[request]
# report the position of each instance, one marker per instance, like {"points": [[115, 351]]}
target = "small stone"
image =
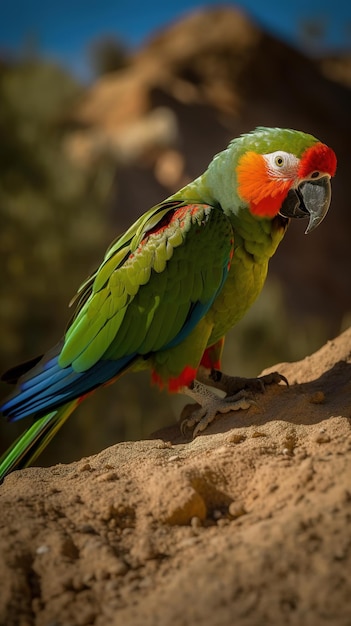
{"points": [[317, 398], [87, 529], [69, 549], [195, 522], [290, 443], [180, 508], [321, 438], [161, 445], [258, 433], [236, 438], [42, 549], [236, 510], [85, 468], [119, 568], [107, 477], [222, 450]]}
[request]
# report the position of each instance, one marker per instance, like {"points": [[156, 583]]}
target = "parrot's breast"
{"points": [[246, 276], [242, 287]]}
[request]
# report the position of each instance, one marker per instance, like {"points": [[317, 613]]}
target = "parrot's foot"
{"points": [[233, 384], [210, 405]]}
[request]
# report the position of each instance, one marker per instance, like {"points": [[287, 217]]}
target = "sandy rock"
{"points": [[249, 523]]}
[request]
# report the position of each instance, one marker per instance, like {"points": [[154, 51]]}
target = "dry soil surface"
{"points": [[248, 524]]}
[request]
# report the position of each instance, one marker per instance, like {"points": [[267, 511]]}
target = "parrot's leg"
{"points": [[233, 384], [210, 405]]}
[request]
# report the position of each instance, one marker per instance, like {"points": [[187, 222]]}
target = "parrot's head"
{"points": [[284, 172]]}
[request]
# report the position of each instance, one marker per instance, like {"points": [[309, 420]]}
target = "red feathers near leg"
{"points": [[174, 384]]}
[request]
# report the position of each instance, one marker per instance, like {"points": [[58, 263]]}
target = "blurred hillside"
{"points": [[79, 165]]}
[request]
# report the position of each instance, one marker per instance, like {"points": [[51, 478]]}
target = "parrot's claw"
{"points": [[210, 405], [273, 378], [234, 384]]}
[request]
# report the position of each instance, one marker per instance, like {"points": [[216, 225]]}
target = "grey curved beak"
{"points": [[311, 199]]}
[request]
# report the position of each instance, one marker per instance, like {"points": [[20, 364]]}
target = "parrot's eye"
{"points": [[315, 175], [282, 164], [279, 161]]}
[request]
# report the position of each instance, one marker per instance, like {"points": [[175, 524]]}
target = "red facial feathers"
{"points": [[318, 158]]}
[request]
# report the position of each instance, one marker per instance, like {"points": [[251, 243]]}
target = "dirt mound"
{"points": [[247, 524]]}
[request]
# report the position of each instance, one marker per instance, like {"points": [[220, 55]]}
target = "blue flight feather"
{"points": [[51, 388]]}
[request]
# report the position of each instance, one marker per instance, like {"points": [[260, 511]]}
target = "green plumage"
{"points": [[174, 284], [142, 305]]}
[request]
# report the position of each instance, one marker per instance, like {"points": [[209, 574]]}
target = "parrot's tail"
{"points": [[28, 446]]}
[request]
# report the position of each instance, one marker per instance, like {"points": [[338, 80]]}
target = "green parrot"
{"points": [[170, 288]]}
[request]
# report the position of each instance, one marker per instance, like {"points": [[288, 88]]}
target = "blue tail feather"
{"points": [[51, 386], [43, 375]]}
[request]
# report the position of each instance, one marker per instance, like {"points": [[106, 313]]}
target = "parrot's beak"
{"points": [[311, 198]]}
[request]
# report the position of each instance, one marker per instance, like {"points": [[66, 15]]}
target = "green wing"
{"points": [[154, 284]]}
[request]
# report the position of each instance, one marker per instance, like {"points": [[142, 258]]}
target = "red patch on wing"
{"points": [[318, 158], [263, 193], [230, 254], [175, 383], [171, 216]]}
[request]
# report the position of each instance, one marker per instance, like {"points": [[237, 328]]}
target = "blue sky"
{"points": [[64, 29]]}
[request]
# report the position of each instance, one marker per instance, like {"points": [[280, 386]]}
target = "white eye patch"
{"points": [[282, 164]]}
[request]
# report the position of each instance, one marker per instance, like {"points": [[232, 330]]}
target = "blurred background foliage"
{"points": [[53, 213], [57, 218]]}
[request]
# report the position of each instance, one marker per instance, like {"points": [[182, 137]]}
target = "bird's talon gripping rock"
{"points": [[273, 378], [233, 385], [223, 407], [211, 406]]}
